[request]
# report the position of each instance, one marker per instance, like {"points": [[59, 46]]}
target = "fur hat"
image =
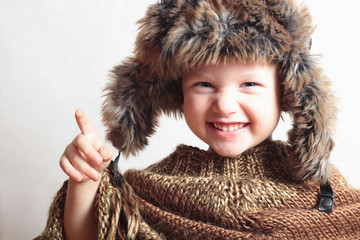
{"points": [[177, 35]]}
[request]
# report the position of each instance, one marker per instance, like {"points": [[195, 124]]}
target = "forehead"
{"points": [[229, 69]]}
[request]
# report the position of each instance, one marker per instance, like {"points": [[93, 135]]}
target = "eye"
{"points": [[204, 84], [248, 84]]}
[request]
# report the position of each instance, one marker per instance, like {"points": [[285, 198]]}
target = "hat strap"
{"points": [[118, 177], [326, 198]]}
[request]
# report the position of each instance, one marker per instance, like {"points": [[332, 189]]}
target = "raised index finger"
{"points": [[84, 123]]}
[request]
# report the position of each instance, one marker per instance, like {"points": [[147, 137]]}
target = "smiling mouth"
{"points": [[229, 127]]}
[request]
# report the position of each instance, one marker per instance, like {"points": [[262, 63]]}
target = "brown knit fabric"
{"points": [[196, 194]]}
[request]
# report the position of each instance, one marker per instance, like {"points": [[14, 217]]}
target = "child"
{"points": [[230, 67]]}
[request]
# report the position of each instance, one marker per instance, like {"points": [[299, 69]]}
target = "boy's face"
{"points": [[232, 107]]}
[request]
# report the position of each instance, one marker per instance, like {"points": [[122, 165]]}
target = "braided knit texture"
{"points": [[196, 194]]}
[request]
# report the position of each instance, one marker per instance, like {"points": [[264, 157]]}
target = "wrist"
{"points": [[86, 185]]}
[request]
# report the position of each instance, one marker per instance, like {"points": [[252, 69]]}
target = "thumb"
{"points": [[106, 153]]}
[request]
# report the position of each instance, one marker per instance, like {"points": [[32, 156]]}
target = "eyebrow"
{"points": [[244, 76]]}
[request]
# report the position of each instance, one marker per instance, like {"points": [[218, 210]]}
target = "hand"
{"points": [[86, 156]]}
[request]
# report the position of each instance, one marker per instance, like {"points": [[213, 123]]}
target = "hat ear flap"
{"points": [[312, 107], [127, 110]]}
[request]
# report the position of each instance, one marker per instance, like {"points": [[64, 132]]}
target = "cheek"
{"points": [[267, 107], [191, 110], [195, 110], [188, 106], [273, 111], [194, 103]]}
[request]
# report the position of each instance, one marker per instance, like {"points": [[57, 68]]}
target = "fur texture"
{"points": [[176, 35]]}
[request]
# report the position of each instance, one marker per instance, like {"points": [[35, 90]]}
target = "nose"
{"points": [[226, 103]]}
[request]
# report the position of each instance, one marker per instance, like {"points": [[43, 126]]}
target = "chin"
{"points": [[230, 153]]}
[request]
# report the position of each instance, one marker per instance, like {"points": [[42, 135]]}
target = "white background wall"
{"points": [[55, 57]]}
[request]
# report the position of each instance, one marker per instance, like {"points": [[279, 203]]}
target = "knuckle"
{"points": [[64, 167], [61, 164], [78, 139], [67, 149], [69, 153], [63, 161]]}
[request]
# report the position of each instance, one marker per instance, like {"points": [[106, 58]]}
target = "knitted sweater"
{"points": [[196, 194]]}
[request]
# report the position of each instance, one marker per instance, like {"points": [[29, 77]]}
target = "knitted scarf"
{"points": [[197, 194]]}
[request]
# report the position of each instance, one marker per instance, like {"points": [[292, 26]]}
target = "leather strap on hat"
{"points": [[326, 198], [118, 178]]}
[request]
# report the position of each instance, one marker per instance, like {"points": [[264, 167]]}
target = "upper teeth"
{"points": [[228, 127]]}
